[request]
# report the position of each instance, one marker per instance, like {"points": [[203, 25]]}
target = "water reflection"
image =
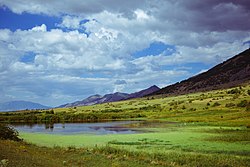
{"points": [[49, 126], [117, 127]]}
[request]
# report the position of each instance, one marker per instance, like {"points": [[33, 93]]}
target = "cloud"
{"points": [[192, 15], [56, 49], [120, 82], [91, 50], [42, 28], [59, 58], [70, 22], [207, 15], [75, 7]]}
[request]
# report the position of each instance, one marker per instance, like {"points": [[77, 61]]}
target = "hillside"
{"points": [[113, 97], [232, 72], [218, 107], [20, 105]]}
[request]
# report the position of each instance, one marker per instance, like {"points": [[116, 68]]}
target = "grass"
{"points": [[203, 139], [174, 158], [231, 135], [221, 107], [178, 146], [172, 107], [212, 130], [20, 154]]}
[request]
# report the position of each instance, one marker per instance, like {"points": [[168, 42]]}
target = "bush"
{"points": [[216, 104], [50, 111], [234, 91], [248, 107], [8, 133], [243, 103], [192, 109]]}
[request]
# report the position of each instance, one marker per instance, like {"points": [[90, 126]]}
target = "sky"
{"points": [[55, 52]]}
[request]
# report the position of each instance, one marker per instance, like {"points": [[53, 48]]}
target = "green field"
{"points": [[207, 129]]}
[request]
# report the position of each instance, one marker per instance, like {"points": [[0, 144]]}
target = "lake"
{"points": [[98, 128]]}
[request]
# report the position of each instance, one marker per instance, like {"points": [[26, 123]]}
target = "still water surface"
{"points": [[99, 128]]}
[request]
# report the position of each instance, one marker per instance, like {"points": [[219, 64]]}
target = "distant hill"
{"points": [[232, 72], [20, 105], [98, 99], [144, 92]]}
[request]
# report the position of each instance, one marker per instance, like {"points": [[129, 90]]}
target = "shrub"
{"points": [[248, 92], [234, 91], [192, 109], [216, 104], [248, 107], [175, 103], [8, 133], [243, 103], [50, 111]]}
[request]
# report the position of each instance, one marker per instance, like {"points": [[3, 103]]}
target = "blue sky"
{"points": [[25, 21], [60, 51]]}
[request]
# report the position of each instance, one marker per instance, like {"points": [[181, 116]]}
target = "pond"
{"points": [[99, 128]]}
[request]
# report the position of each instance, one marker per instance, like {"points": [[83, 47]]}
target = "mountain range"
{"points": [[232, 72], [98, 99], [21, 105]]}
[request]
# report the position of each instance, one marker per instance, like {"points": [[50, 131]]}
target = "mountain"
{"points": [[114, 97], [144, 92], [98, 99], [91, 100], [20, 105], [232, 72]]}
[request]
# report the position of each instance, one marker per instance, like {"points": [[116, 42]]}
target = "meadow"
{"points": [[200, 129]]}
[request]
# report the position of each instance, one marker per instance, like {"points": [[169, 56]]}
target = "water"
{"points": [[99, 128]]}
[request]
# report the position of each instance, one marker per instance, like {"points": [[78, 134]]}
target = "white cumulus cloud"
{"points": [[93, 45]]}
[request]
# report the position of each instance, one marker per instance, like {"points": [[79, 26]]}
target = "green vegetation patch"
{"points": [[189, 138], [231, 135]]}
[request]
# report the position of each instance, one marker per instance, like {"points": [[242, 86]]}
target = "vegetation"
{"points": [[182, 145], [207, 107], [199, 129], [28, 155], [20, 154], [8, 133]]}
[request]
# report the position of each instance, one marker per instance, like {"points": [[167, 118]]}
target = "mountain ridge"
{"points": [[112, 97], [232, 72], [21, 105]]}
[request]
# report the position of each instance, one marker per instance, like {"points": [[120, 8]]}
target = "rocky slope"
{"points": [[232, 72]]}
